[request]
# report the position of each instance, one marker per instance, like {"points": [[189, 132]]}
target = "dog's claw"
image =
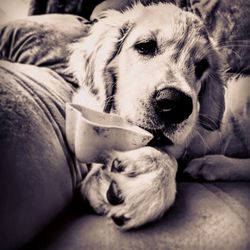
{"points": [[119, 221], [117, 167], [114, 194]]}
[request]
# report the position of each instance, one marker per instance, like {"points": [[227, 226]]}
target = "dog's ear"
{"points": [[204, 8], [211, 98], [92, 56]]}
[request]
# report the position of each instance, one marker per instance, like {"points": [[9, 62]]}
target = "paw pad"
{"points": [[114, 195], [119, 221]]}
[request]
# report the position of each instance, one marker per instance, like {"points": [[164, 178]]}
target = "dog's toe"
{"points": [[117, 166], [120, 221], [114, 195], [205, 168]]}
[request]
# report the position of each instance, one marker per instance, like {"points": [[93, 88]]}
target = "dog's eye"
{"points": [[147, 48], [201, 67]]}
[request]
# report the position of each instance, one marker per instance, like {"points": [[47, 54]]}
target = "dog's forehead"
{"points": [[166, 20], [157, 14]]}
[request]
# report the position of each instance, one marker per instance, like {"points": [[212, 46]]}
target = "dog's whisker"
{"points": [[108, 100], [233, 42], [206, 145], [237, 53]]}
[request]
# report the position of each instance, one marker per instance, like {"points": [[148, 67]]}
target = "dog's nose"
{"points": [[173, 106]]}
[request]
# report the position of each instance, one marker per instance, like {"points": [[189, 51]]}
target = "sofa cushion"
{"points": [[204, 216]]}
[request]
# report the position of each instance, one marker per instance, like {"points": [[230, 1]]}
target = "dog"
{"points": [[156, 66]]}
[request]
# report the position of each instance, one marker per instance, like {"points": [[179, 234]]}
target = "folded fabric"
{"points": [[37, 170], [42, 41]]}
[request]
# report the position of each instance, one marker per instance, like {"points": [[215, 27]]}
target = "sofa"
{"points": [[40, 205]]}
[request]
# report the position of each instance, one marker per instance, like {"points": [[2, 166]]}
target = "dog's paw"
{"points": [[142, 187], [209, 168], [94, 188], [140, 161]]}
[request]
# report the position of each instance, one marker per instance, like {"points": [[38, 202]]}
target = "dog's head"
{"points": [[155, 66]]}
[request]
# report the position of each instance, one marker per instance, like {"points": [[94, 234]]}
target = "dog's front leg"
{"points": [[219, 168], [136, 187]]}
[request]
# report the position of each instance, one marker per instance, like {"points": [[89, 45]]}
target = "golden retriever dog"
{"points": [[156, 66]]}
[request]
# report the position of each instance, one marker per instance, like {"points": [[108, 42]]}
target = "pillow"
{"points": [[23, 41], [77, 7]]}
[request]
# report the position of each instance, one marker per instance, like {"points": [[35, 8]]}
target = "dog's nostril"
{"points": [[173, 105]]}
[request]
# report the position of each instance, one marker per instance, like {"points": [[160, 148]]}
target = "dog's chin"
{"points": [[159, 139]]}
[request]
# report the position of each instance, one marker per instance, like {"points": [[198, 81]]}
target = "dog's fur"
{"points": [[138, 186]]}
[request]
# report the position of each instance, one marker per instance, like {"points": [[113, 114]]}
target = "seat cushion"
{"points": [[204, 216]]}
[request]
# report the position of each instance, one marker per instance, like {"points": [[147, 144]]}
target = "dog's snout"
{"points": [[173, 106]]}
